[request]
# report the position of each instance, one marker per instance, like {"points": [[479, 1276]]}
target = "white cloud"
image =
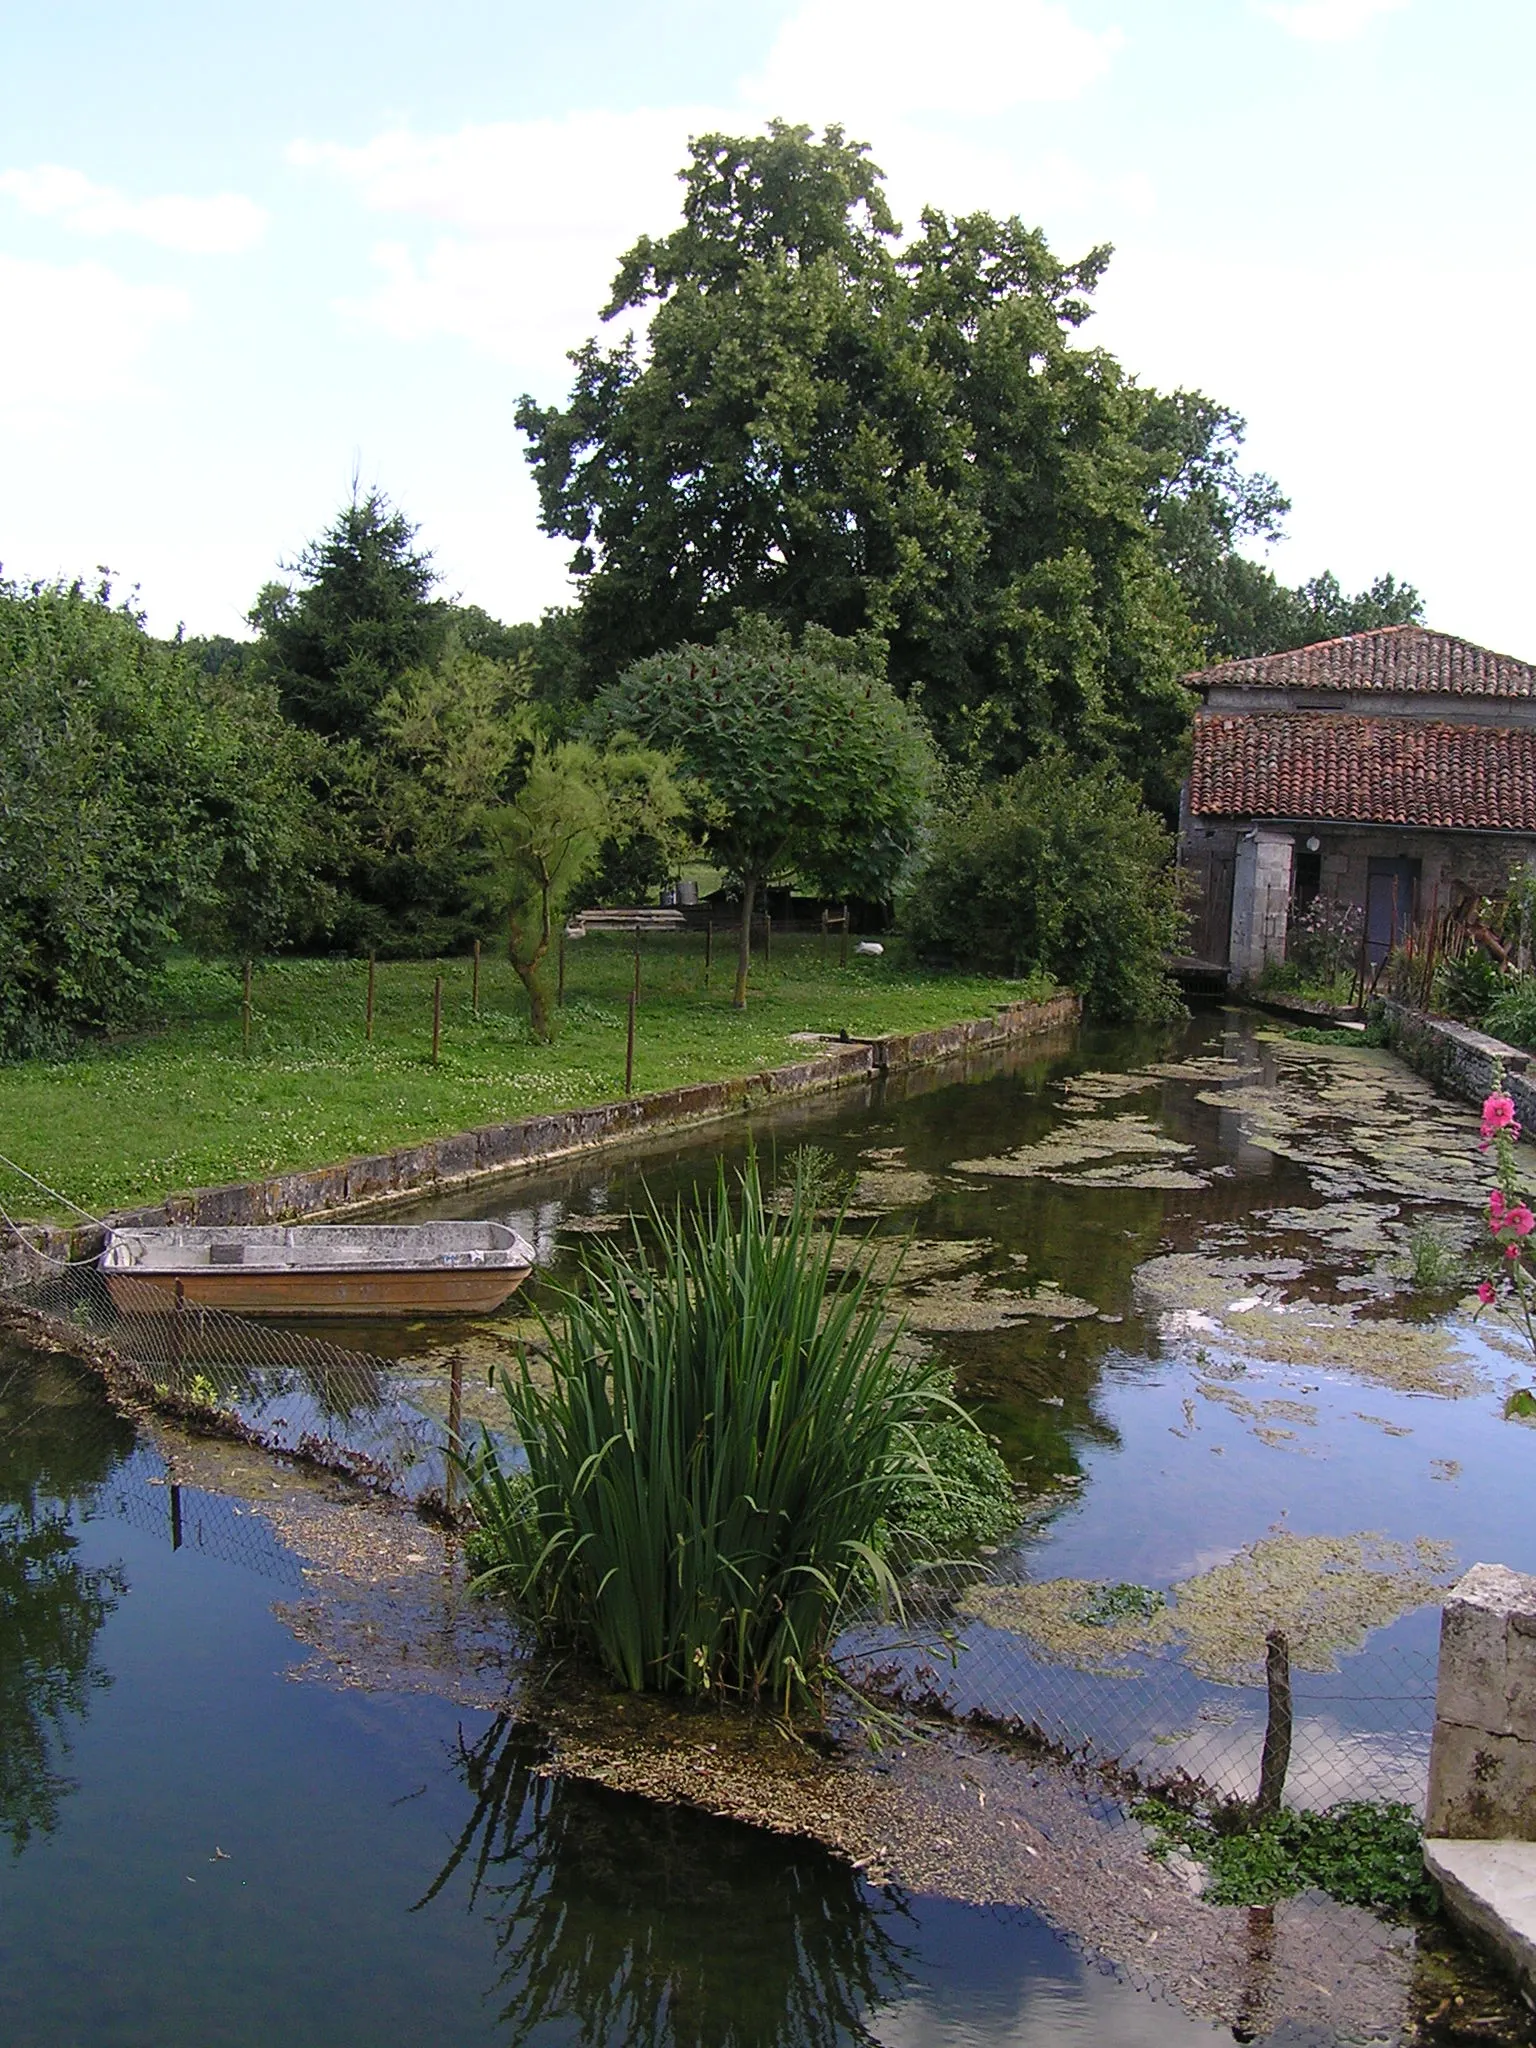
{"points": [[535, 216], [1329, 21], [73, 339], [851, 60], [222, 224], [532, 217]]}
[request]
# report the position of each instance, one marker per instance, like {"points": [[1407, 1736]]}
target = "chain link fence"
{"points": [[142, 1492], [384, 1423], [1148, 1720]]}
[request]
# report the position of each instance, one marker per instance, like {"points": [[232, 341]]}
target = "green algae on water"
{"points": [[968, 1303], [1327, 1593]]}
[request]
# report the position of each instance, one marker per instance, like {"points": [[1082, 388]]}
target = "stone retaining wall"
{"points": [[1456, 1058], [530, 1143]]}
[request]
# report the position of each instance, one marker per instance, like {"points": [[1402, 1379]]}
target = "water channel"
{"points": [[1172, 1275]]}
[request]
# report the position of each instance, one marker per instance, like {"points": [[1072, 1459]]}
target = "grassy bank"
{"points": [[185, 1105]]}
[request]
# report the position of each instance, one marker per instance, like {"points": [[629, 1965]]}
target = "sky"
{"points": [[248, 255]]}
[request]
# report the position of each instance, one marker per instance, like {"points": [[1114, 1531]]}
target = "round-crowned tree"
{"points": [[1059, 869], [803, 758]]}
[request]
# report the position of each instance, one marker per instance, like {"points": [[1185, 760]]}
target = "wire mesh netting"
{"points": [[386, 1423], [1357, 1731], [143, 1493], [1360, 1730]]}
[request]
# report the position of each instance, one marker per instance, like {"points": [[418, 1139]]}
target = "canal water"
{"points": [[197, 1852], [1174, 1276]]}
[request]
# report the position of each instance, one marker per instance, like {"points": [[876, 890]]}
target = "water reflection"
{"points": [[619, 1921], [58, 1442]]}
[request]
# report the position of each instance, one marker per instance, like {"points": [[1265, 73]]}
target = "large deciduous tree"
{"points": [[805, 760], [828, 425], [830, 428]]}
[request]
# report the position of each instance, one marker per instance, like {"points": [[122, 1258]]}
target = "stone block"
{"points": [[1481, 1786], [1482, 1765], [1490, 1892], [369, 1178], [457, 1156]]}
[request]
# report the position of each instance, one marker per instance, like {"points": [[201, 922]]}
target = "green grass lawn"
{"points": [[184, 1106]]}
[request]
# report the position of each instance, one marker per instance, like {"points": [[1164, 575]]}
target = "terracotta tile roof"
{"points": [[1408, 658], [1381, 771]]}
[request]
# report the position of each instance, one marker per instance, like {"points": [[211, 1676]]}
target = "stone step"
{"points": [[1490, 1892]]}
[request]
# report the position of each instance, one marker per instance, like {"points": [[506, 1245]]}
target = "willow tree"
{"points": [[804, 760]]}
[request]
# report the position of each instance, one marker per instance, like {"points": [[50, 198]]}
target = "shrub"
{"points": [[1469, 987], [1060, 870], [1323, 941], [140, 802], [725, 1460], [1512, 1014], [1362, 1852]]}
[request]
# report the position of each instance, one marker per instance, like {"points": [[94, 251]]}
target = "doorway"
{"points": [[1392, 888]]}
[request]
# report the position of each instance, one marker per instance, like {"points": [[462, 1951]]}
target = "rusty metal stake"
{"points": [[629, 1049]]}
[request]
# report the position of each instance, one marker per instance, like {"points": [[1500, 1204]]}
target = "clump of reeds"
{"points": [[724, 1462]]}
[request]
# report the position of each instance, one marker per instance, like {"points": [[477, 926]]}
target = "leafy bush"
{"points": [[1362, 1852], [726, 1458], [1323, 941], [1469, 987], [1059, 870], [965, 1497], [140, 801], [1512, 1015]]}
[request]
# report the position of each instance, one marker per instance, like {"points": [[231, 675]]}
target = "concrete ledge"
{"points": [[1490, 1892], [467, 1156], [1456, 1058]]}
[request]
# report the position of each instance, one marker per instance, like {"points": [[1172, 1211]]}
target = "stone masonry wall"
{"points": [[1456, 1058]]}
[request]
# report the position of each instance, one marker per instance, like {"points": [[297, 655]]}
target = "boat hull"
{"points": [[453, 1291]]}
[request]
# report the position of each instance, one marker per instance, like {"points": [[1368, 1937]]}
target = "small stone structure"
{"points": [[1480, 1828], [1482, 1762]]}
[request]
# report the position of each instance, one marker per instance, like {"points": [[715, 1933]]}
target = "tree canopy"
{"points": [[359, 618], [138, 804], [804, 758], [833, 426]]}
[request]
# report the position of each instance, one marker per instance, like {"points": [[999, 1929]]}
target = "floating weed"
{"points": [[887, 1188], [1326, 1592], [1078, 1144], [1214, 1298], [970, 1303]]}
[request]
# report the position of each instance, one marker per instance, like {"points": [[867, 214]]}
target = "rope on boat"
{"points": [[17, 1230]]}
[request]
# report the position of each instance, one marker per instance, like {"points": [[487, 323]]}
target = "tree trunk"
{"points": [[527, 972], [744, 945]]}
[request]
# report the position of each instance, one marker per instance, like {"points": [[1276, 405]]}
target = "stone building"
{"points": [[1394, 771]]}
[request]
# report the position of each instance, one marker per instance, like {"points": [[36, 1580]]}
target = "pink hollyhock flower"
{"points": [[1485, 1290], [1499, 1115], [1511, 1251], [1495, 1208], [1518, 1220]]}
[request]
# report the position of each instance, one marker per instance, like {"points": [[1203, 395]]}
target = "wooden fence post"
{"points": [[629, 1049], [560, 981], [842, 956], [372, 970], [709, 946], [474, 999], [1276, 1760], [437, 1016], [245, 1010]]}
